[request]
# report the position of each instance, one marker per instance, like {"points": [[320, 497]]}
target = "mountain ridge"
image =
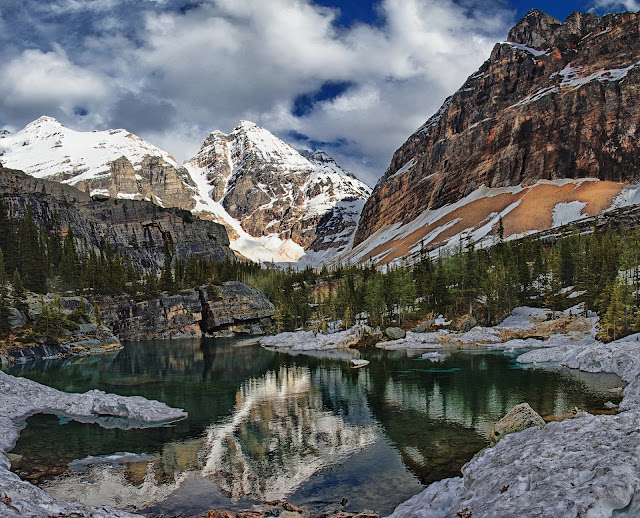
{"points": [[218, 183], [544, 131]]}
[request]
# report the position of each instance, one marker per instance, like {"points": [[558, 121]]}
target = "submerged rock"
{"points": [[520, 417]]}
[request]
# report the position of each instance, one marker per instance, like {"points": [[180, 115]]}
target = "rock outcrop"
{"points": [[136, 228], [231, 308], [551, 107], [519, 418], [235, 307]]}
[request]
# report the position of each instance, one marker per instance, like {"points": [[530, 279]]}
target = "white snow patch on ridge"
{"points": [[571, 78], [564, 213], [530, 50], [45, 148]]}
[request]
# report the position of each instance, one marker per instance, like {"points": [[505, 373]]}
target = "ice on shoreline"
{"points": [[311, 341], [589, 466], [21, 398]]}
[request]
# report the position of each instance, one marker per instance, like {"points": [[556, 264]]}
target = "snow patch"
{"points": [[567, 212]]}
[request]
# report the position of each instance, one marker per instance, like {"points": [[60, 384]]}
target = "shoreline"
{"points": [[22, 398], [586, 466], [449, 496]]}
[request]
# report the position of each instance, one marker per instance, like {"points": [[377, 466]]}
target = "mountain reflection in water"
{"points": [[263, 425]]}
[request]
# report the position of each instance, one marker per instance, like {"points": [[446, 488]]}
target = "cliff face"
{"points": [[557, 103], [231, 308], [135, 228]]}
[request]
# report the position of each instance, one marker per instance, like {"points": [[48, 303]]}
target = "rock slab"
{"points": [[519, 418]]}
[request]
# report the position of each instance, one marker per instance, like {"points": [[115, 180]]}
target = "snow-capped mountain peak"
{"points": [[268, 191], [277, 204], [112, 163]]}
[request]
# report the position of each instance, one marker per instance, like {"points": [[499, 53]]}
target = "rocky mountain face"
{"points": [[231, 308], [135, 228], [276, 194], [276, 203], [112, 163], [544, 133]]}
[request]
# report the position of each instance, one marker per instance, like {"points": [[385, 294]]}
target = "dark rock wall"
{"points": [[520, 118], [232, 307], [135, 228]]}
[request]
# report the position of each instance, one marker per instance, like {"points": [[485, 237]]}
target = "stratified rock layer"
{"points": [[232, 307], [558, 101], [135, 228]]}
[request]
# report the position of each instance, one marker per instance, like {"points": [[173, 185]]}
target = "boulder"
{"points": [[16, 318], [465, 323], [395, 333], [520, 417], [424, 327]]}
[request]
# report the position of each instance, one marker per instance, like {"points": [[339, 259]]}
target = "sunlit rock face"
{"points": [[555, 104], [264, 189], [279, 435]]}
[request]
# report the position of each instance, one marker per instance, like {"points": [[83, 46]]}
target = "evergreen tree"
{"points": [[18, 293], [69, 262], [5, 312], [32, 259]]}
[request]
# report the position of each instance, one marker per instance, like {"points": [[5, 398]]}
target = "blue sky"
{"points": [[355, 78]]}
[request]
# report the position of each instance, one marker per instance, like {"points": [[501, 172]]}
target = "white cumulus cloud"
{"points": [[174, 75]]}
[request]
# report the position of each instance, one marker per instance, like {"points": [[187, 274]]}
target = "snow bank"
{"points": [[589, 466], [523, 318], [417, 341], [22, 397], [311, 341]]}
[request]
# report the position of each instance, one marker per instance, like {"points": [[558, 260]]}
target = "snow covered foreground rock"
{"points": [[585, 467], [310, 341], [21, 398]]}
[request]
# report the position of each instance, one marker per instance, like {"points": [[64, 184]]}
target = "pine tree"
{"points": [[31, 253], [18, 293], [70, 262], [7, 237], [5, 311]]}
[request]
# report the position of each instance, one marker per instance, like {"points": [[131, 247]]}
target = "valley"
{"points": [[254, 331]]}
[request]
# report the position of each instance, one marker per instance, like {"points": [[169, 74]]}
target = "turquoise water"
{"points": [[265, 425]]}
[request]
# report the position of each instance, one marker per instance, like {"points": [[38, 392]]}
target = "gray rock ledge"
{"points": [[21, 398]]}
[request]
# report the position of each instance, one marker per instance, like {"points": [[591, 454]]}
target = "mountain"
{"points": [[138, 229], [289, 203], [112, 163], [277, 204], [544, 133]]}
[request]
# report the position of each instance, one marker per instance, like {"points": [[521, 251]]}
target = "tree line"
{"points": [[599, 268]]}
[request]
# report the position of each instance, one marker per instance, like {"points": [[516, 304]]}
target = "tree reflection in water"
{"points": [[265, 425]]}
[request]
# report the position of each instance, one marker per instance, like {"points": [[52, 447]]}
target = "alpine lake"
{"points": [[266, 425]]}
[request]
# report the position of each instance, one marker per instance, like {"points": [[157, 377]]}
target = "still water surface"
{"points": [[265, 425]]}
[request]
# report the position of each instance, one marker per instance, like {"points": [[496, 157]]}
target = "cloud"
{"points": [[36, 81], [629, 5], [174, 72]]}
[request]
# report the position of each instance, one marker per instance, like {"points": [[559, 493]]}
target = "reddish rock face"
{"points": [[559, 100]]}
